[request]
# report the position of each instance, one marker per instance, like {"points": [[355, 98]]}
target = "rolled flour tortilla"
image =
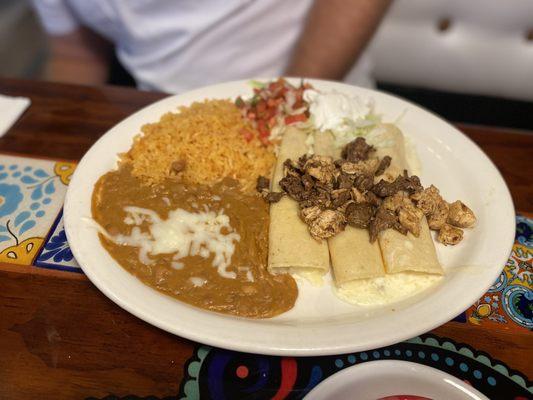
{"points": [[403, 252], [352, 255], [291, 247]]}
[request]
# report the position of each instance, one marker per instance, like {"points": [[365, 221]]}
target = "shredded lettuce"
{"points": [[257, 84], [361, 127]]}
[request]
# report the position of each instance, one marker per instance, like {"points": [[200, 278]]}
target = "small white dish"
{"points": [[319, 323], [378, 379]]}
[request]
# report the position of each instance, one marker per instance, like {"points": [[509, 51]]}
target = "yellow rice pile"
{"points": [[207, 136]]}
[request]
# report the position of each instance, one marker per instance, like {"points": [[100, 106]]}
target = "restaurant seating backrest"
{"points": [[466, 46]]}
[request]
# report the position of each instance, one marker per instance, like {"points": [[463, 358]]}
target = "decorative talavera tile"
{"points": [[31, 195], [55, 253], [509, 301]]}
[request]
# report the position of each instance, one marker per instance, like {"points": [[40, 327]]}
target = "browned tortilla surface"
{"points": [[267, 296]]}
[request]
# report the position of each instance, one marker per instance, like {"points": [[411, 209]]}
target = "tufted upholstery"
{"points": [[465, 46]]}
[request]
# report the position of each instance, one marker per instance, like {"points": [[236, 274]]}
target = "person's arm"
{"points": [[335, 34], [80, 57]]}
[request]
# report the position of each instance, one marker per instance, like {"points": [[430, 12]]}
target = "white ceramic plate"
{"points": [[319, 323], [377, 379]]}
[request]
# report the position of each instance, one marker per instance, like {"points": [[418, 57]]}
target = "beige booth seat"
{"points": [[466, 46]]}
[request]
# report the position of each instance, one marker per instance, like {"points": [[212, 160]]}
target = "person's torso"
{"points": [[176, 45]]}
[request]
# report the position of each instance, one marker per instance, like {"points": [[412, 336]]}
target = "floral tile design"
{"points": [[508, 304], [31, 195], [55, 253]]}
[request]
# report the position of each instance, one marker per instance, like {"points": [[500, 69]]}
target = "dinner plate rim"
{"points": [[278, 348]]}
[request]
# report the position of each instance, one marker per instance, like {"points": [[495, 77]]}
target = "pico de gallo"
{"points": [[273, 105]]}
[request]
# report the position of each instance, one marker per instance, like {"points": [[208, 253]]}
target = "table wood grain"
{"points": [[60, 338]]}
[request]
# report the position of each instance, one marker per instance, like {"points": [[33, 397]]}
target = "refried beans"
{"points": [[253, 293]]}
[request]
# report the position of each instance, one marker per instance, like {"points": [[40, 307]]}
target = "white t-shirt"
{"points": [[177, 45]]}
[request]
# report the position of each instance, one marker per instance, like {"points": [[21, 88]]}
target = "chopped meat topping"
{"points": [[373, 199], [345, 181], [290, 169], [301, 161], [327, 224], [339, 197], [293, 187], [320, 168], [427, 200], [326, 186], [383, 165], [309, 214], [359, 215], [394, 202], [406, 214], [450, 235], [357, 150], [410, 184], [460, 215], [358, 196], [364, 182], [308, 182], [274, 197], [400, 228], [262, 184], [343, 207], [409, 217], [438, 218], [367, 167], [384, 219], [332, 194], [320, 198]]}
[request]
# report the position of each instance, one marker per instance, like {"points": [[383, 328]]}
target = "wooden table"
{"points": [[60, 338]]}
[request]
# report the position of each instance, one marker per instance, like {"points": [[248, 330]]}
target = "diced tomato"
{"points": [[276, 85], [271, 112], [248, 136], [272, 86], [282, 91], [264, 107], [262, 128], [298, 104], [291, 119], [272, 102], [261, 108]]}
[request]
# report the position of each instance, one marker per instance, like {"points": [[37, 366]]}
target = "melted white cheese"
{"points": [[314, 277], [248, 272], [197, 282], [385, 290], [183, 233]]}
